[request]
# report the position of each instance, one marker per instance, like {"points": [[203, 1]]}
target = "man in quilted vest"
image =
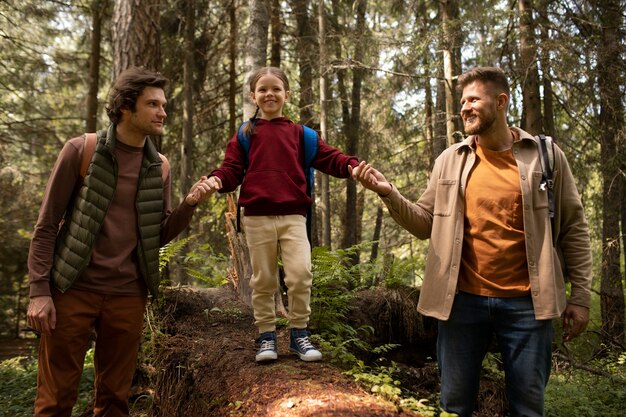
{"points": [[93, 259]]}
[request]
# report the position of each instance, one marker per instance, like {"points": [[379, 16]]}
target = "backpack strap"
{"points": [[165, 167], [244, 141], [546, 151], [90, 148], [309, 138]]}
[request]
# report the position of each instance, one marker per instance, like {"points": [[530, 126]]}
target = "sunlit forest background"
{"points": [[375, 77]]}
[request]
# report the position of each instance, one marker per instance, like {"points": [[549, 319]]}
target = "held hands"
{"points": [[370, 178], [202, 189], [41, 315], [575, 319]]}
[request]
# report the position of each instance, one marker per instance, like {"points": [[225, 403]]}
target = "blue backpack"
{"points": [[309, 136]]}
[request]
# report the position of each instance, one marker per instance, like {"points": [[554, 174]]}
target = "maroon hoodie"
{"points": [[274, 182]]}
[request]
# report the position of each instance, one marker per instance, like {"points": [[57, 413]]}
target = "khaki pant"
{"points": [[118, 323], [266, 236]]}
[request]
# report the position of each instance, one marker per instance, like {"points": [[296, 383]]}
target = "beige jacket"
{"points": [[438, 214]]}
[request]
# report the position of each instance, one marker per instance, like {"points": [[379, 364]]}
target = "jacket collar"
{"points": [[149, 150], [470, 141]]}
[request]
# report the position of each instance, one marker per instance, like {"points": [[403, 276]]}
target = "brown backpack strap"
{"points": [[90, 147], [165, 167], [88, 150]]}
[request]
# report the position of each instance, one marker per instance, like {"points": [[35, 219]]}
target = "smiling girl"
{"points": [[275, 203]]}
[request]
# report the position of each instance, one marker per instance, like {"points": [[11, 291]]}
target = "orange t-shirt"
{"points": [[494, 252]]}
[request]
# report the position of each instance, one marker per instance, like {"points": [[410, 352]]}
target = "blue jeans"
{"points": [[525, 345]]}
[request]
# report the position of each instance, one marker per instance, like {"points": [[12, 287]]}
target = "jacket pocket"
{"points": [[445, 199]]}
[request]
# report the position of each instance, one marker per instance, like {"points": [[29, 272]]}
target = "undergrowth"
{"points": [[595, 389], [18, 385]]}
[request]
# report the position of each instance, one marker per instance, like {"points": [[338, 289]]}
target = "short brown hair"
{"points": [[493, 75], [128, 86]]}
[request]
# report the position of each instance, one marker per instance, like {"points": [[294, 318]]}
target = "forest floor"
{"points": [[198, 360], [205, 367]]}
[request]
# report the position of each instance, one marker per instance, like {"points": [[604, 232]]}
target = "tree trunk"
{"points": [[529, 73], [186, 146], [377, 229], [343, 93], [135, 35], [306, 55], [353, 131], [546, 80], [324, 180], [97, 12], [449, 15], [256, 48], [240, 266], [232, 67], [186, 161], [440, 141], [275, 33], [610, 68]]}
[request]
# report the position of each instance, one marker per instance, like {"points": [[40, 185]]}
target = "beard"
{"points": [[480, 125]]}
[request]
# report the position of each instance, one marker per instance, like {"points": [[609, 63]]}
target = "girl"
{"points": [[274, 201]]}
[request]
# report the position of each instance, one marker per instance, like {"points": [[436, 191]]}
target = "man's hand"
{"points": [[41, 315], [202, 189], [370, 178], [575, 319]]}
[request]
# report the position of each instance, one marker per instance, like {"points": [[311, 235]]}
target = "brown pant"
{"points": [[118, 323]]}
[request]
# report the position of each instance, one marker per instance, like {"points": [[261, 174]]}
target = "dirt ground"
{"points": [[205, 367]]}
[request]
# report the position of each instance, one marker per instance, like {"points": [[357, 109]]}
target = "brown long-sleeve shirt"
{"points": [[113, 268]]}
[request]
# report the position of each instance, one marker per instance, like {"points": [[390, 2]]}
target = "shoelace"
{"points": [[267, 345], [304, 343]]}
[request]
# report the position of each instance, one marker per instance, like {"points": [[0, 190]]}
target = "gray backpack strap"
{"points": [[546, 152]]}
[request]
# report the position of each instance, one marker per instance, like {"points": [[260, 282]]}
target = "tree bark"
{"points": [[97, 12], [610, 68], [232, 67], [186, 145], [186, 160], [378, 225], [450, 16], [353, 131], [529, 73], [306, 55], [256, 48], [275, 33], [440, 141], [546, 67], [135, 33], [324, 180], [136, 38]]}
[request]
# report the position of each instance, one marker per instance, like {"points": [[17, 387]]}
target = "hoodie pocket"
{"points": [[271, 186]]}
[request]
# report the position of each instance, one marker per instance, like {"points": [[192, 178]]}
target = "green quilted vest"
{"points": [[83, 219]]}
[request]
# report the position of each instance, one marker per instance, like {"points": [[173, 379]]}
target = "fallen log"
{"points": [[205, 367]]}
